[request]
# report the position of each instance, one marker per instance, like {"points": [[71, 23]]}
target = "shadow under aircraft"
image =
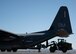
{"points": [[60, 27]]}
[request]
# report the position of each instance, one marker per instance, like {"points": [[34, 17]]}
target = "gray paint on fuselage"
{"points": [[41, 33], [35, 34]]}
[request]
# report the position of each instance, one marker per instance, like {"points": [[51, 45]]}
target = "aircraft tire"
{"points": [[8, 50], [64, 50], [52, 50], [14, 50], [2, 50]]}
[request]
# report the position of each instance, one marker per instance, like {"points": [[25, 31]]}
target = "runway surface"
{"points": [[44, 51]]}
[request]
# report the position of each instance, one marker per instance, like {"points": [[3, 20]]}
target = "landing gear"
{"points": [[14, 50], [2, 50], [39, 47], [8, 50], [39, 50]]}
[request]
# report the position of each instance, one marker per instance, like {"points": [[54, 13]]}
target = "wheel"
{"points": [[2, 50], [39, 50], [14, 50], [52, 49], [8, 50], [64, 50]]}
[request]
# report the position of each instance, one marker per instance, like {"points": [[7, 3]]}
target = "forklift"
{"points": [[61, 45]]}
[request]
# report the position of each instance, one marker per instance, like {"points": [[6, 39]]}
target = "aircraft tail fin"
{"points": [[61, 23]]}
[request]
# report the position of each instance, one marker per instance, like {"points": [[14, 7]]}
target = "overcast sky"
{"points": [[21, 16]]}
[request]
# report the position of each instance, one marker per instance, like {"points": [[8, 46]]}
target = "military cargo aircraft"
{"points": [[60, 27]]}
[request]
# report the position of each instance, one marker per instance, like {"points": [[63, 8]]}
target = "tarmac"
{"points": [[43, 51]]}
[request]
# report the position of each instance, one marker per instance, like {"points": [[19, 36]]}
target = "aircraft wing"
{"points": [[7, 36]]}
